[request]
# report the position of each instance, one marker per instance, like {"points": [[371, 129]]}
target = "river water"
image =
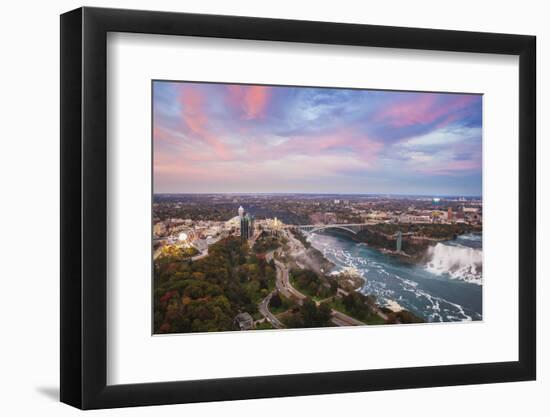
{"points": [[447, 287]]}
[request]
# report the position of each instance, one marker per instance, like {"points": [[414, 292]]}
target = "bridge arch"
{"points": [[329, 226]]}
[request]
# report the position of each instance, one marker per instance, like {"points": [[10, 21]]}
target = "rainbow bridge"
{"points": [[353, 228]]}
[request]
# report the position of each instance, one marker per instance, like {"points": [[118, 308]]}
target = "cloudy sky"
{"points": [[239, 138]]}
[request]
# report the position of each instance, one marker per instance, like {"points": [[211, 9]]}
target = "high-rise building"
{"points": [[449, 214], [245, 228], [247, 224]]}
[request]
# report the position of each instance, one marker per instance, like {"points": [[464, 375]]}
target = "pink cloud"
{"points": [[175, 167], [251, 100], [196, 119], [423, 109], [343, 142], [163, 136], [452, 167]]}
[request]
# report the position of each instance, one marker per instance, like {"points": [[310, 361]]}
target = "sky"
{"points": [[215, 138]]}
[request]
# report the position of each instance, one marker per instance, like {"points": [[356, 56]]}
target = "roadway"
{"points": [[338, 318], [287, 289], [263, 308], [283, 286]]}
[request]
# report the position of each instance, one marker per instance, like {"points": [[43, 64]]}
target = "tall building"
{"points": [[399, 241], [245, 228], [449, 214], [247, 224]]}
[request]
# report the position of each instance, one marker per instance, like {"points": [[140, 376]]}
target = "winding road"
{"points": [[283, 286], [263, 308]]}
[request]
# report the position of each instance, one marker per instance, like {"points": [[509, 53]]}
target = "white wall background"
{"points": [[29, 175]]}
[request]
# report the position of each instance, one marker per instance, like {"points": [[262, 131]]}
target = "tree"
{"points": [[312, 316], [276, 301], [207, 294]]}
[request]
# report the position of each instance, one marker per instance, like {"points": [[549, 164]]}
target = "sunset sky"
{"points": [[249, 139]]}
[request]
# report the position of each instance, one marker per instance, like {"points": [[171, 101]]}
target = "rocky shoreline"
{"points": [[349, 283]]}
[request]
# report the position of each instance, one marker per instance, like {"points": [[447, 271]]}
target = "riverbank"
{"points": [[416, 239], [341, 290], [429, 292], [306, 256]]}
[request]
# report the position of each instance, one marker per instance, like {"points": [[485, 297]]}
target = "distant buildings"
{"points": [[159, 229], [378, 216], [273, 226], [330, 218], [415, 218], [472, 215], [201, 233], [316, 218], [323, 218], [233, 223], [438, 216]]}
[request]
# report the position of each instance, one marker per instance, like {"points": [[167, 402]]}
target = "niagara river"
{"points": [[446, 287]]}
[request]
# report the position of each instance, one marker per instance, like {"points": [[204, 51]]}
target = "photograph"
{"points": [[267, 209], [283, 207]]}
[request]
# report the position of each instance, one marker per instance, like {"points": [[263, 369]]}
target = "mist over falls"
{"points": [[457, 261]]}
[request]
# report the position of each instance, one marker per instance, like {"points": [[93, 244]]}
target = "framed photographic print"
{"points": [[258, 207]]}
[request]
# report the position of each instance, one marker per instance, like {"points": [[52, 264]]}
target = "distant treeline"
{"points": [[430, 230], [383, 236]]}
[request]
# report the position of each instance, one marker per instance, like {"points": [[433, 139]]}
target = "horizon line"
{"points": [[323, 193]]}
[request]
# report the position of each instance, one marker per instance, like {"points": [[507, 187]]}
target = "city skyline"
{"points": [[245, 139], [319, 194]]}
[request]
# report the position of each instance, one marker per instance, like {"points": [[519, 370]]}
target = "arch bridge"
{"points": [[353, 228]]}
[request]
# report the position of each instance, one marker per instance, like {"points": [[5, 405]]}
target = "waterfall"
{"points": [[460, 262]]}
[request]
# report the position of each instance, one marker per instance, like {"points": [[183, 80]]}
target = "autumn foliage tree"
{"points": [[206, 295]]}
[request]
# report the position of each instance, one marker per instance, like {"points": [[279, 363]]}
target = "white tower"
{"points": [[241, 212]]}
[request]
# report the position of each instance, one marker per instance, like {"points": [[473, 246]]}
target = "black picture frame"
{"points": [[84, 207]]}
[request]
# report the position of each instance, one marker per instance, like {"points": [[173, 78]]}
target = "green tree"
{"points": [[276, 301]]}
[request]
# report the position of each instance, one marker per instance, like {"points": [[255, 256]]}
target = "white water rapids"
{"points": [[446, 287]]}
